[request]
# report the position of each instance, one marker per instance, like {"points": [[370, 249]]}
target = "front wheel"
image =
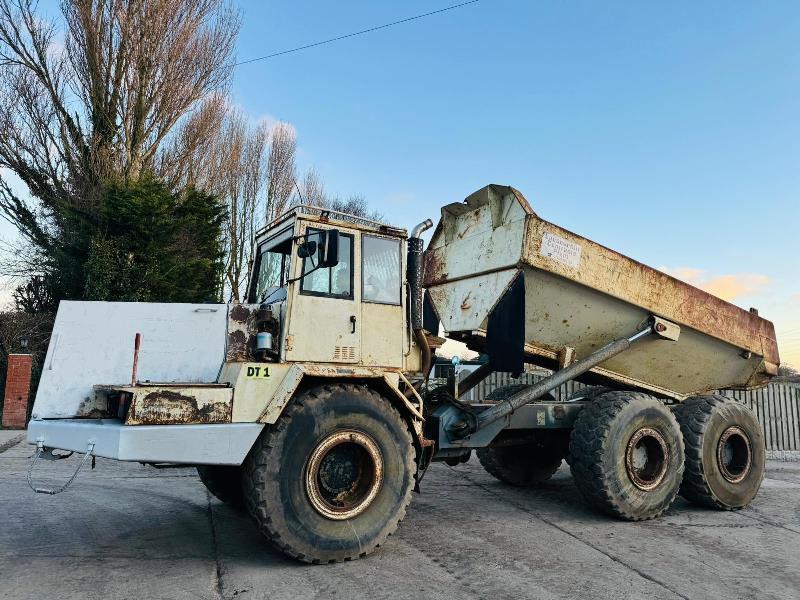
{"points": [[332, 478]]}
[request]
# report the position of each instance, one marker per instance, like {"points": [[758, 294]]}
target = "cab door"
{"points": [[382, 302], [325, 315]]}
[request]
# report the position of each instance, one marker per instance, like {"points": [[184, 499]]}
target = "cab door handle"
{"points": [[353, 323]]}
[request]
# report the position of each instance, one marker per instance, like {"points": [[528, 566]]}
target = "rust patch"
{"points": [[237, 346], [243, 321], [93, 407], [465, 303], [333, 371], [474, 217], [240, 313], [434, 268], [164, 407]]}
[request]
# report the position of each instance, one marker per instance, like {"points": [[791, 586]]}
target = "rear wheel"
{"points": [[224, 482], [332, 478], [626, 455], [725, 452], [523, 464]]}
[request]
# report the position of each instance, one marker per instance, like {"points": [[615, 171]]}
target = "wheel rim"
{"points": [[647, 458], [344, 474], [734, 454]]}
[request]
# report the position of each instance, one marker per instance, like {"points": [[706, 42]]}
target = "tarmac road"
{"points": [[129, 531]]}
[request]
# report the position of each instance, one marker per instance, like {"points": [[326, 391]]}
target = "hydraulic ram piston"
{"points": [[558, 378]]}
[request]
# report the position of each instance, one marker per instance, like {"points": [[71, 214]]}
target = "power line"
{"points": [[355, 33]]}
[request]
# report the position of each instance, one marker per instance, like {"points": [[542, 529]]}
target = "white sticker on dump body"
{"points": [[561, 250]]}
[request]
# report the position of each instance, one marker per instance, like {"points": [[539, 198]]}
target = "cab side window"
{"points": [[381, 270], [335, 282]]}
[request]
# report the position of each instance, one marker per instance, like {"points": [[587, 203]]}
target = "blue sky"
{"points": [[669, 132]]}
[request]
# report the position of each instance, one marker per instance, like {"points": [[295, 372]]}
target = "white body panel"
{"points": [[224, 444], [92, 343]]}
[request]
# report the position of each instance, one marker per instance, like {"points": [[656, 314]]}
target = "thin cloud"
{"points": [[270, 122], [727, 287]]}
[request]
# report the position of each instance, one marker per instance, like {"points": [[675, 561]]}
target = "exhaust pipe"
{"points": [[414, 274], [418, 229]]}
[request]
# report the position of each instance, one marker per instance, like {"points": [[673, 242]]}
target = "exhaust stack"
{"points": [[414, 275]]}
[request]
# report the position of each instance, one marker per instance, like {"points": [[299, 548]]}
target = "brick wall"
{"points": [[18, 385]]}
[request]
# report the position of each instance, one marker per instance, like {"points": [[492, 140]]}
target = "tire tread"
{"points": [[694, 415], [588, 444], [261, 455]]}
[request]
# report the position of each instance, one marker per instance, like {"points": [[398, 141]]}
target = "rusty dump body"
{"points": [[579, 295]]}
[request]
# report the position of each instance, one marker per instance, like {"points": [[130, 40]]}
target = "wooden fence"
{"points": [[777, 407]]}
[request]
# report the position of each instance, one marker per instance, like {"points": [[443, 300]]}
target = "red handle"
{"points": [[137, 342]]}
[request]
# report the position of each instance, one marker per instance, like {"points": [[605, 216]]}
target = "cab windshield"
{"points": [[272, 267]]}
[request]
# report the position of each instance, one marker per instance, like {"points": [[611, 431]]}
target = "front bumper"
{"points": [[220, 444]]}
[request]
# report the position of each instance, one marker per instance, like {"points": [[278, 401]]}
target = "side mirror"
{"points": [[328, 248]]}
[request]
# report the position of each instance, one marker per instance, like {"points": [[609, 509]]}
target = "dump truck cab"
{"points": [[329, 278]]}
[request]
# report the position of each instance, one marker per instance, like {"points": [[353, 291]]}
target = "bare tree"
{"points": [[313, 190], [191, 156], [355, 205], [787, 373], [244, 184], [281, 169], [103, 107], [250, 167]]}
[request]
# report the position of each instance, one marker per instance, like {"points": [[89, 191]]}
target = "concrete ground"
{"points": [[9, 437], [128, 531]]}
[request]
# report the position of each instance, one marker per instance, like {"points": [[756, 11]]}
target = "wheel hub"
{"points": [[734, 454], [344, 474], [646, 458]]}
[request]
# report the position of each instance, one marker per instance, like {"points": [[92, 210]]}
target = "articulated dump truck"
{"points": [[309, 404]]}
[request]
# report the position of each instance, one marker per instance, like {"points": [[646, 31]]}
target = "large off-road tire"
{"points": [[524, 464], [725, 452], [332, 478], [224, 482], [626, 455]]}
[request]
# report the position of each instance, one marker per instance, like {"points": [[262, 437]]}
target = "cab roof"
{"points": [[333, 217]]}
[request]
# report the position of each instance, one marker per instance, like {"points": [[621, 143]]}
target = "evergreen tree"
{"points": [[156, 246]]}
